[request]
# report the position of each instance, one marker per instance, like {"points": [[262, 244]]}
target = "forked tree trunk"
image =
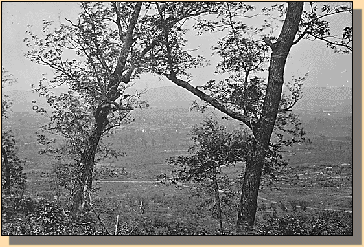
{"points": [[263, 132], [84, 184]]}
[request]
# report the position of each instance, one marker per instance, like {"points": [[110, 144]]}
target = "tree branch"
{"points": [[126, 77], [273, 46], [333, 43], [100, 84], [118, 19], [212, 101], [128, 41], [302, 35], [289, 107], [120, 107], [333, 13], [100, 57], [173, 77], [107, 104]]}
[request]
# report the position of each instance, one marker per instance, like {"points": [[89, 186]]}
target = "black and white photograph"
{"points": [[168, 118]]}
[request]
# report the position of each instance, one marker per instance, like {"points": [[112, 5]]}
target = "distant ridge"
{"points": [[326, 98], [314, 98], [169, 97]]}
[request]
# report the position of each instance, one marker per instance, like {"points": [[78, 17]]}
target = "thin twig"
{"points": [[116, 225]]}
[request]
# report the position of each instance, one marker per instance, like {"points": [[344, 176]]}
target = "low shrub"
{"points": [[27, 216], [303, 222]]}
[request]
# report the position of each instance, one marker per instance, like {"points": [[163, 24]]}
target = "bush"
{"points": [[15, 165], [302, 222], [26, 216], [151, 225]]}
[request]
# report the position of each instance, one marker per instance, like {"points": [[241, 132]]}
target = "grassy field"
{"points": [[318, 177]]}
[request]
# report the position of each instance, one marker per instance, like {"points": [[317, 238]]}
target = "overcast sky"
{"points": [[324, 66]]}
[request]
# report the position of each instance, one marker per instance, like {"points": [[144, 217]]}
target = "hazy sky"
{"points": [[324, 66]]}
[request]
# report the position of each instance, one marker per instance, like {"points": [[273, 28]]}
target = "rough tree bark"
{"points": [[264, 129], [84, 183]]}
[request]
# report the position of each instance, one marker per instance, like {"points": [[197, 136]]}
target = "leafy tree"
{"points": [[112, 44], [109, 48], [12, 176], [267, 109], [214, 147]]}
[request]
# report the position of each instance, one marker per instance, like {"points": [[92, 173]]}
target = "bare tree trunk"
{"points": [[249, 196], [263, 132], [217, 199], [84, 183]]}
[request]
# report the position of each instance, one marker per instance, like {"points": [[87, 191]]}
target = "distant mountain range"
{"points": [[169, 108], [314, 99], [169, 97], [326, 99]]}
